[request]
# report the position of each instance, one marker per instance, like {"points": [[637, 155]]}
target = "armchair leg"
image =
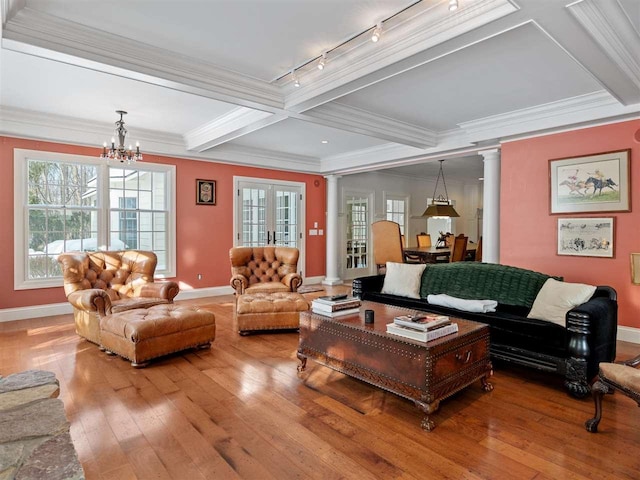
{"points": [[597, 390]]}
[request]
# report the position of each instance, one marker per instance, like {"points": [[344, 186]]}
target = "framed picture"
{"points": [[205, 192], [595, 183], [586, 237]]}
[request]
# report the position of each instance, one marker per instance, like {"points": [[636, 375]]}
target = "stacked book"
{"points": [[335, 306], [423, 327]]}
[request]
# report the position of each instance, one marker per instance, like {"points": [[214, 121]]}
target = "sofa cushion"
{"points": [[471, 280], [555, 299], [403, 279]]}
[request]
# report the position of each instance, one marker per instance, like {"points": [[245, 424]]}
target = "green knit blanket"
{"points": [[483, 281]]}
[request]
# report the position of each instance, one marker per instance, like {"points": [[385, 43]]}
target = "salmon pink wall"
{"points": [[528, 233], [204, 233]]}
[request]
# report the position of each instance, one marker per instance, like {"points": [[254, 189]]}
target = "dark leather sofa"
{"points": [[573, 350]]}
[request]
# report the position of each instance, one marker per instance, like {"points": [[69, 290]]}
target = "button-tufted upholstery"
{"points": [[101, 283], [269, 311], [264, 269], [146, 333]]}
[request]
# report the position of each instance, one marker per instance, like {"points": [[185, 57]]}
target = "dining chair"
{"points": [[387, 243], [459, 248], [479, 251], [423, 239]]}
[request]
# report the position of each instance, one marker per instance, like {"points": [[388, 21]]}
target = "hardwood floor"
{"points": [[240, 410]]}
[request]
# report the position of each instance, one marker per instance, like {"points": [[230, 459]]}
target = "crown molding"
{"points": [[366, 123], [55, 34], [429, 27], [608, 24], [59, 128], [589, 107], [365, 159], [10, 7], [257, 157], [233, 124], [20, 123]]}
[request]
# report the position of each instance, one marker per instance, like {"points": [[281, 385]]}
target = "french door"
{"points": [[269, 213], [357, 245]]}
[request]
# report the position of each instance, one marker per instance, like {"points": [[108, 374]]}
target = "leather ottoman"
{"points": [[269, 311], [145, 333]]}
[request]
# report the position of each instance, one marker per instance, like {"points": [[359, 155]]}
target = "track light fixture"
{"points": [[453, 5], [377, 33], [322, 61], [296, 82]]}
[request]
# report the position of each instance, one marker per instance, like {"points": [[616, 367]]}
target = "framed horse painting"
{"points": [[593, 183], [586, 236]]}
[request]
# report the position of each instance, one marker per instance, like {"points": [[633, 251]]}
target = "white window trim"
{"points": [[20, 163], [407, 207]]}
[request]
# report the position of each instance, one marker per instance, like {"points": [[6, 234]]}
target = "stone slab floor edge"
{"points": [[34, 431]]}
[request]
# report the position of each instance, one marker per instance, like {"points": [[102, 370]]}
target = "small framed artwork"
{"points": [[593, 183], [205, 192], [586, 237]]}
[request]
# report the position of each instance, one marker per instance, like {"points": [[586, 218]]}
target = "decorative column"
{"points": [[491, 206], [332, 277]]}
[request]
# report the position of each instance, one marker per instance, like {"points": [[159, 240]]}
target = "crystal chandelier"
{"points": [[120, 152]]}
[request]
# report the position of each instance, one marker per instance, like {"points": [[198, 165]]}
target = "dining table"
{"points": [[432, 253]]}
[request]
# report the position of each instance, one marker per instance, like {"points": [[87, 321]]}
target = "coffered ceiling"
{"points": [[211, 80]]}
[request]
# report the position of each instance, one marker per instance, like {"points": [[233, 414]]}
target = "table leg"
{"points": [[303, 361], [486, 386], [428, 408]]}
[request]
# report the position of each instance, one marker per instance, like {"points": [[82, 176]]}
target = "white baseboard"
{"points": [[35, 311], [204, 292], [629, 334], [313, 280]]}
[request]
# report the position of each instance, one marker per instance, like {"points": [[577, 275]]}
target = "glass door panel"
{"points": [[357, 253]]}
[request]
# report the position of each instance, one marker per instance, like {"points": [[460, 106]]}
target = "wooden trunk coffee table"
{"points": [[423, 372]]}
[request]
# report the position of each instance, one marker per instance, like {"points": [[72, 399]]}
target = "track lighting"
{"points": [[296, 82], [453, 5], [322, 61], [377, 33]]}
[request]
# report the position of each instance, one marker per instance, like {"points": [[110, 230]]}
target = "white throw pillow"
{"points": [[403, 279], [556, 298]]}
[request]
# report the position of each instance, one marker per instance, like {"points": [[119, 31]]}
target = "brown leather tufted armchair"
{"points": [[264, 269], [101, 283]]}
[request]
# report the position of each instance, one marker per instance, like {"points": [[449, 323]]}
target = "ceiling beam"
{"points": [[359, 121], [62, 40], [238, 122], [612, 30]]}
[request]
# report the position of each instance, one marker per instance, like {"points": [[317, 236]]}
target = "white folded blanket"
{"points": [[477, 306]]}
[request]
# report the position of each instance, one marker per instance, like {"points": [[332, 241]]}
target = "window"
{"points": [[396, 208], [70, 202]]}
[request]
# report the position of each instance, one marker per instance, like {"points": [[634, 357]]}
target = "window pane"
{"points": [[64, 211]]}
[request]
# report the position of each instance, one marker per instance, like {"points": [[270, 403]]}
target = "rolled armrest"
{"points": [[292, 280], [239, 283], [166, 290], [373, 283], [592, 329], [91, 300]]}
